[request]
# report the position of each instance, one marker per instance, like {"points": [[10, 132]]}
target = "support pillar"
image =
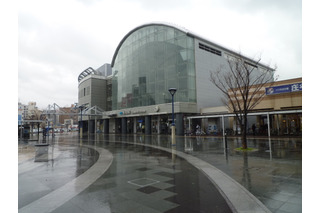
{"points": [[123, 125], [159, 124], [106, 126], [95, 124], [179, 124], [134, 125], [84, 126], [148, 127], [92, 126]]}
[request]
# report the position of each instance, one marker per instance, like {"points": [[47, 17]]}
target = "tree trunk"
{"points": [[244, 133], [244, 140]]}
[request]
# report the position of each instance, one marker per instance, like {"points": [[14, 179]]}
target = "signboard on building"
{"points": [[284, 89]]}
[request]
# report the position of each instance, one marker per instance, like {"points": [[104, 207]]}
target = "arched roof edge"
{"points": [[142, 26], [189, 33], [86, 72]]}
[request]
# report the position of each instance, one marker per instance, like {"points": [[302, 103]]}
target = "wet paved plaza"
{"points": [[116, 173]]}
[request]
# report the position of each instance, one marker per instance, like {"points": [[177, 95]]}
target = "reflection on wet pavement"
{"points": [[144, 179], [52, 167], [275, 177]]}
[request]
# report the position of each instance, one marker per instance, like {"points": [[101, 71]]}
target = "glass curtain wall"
{"points": [[150, 61]]}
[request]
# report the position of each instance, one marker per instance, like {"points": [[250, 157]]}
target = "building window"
{"points": [[209, 49], [151, 60], [250, 64]]}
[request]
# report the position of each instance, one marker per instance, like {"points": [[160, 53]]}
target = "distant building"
{"points": [[22, 110], [69, 118], [28, 118], [29, 111]]}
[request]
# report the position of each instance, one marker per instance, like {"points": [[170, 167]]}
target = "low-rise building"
{"points": [[282, 103]]}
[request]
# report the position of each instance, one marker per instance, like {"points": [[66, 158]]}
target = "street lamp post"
{"points": [[173, 130]]}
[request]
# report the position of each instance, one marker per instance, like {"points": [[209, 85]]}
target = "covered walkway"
{"points": [[273, 126]]}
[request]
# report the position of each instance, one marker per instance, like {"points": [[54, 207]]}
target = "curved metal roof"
{"points": [[86, 72]]}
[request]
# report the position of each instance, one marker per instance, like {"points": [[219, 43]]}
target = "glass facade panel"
{"points": [[150, 61]]}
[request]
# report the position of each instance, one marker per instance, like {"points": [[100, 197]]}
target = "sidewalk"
{"points": [[151, 180], [99, 176], [275, 177]]}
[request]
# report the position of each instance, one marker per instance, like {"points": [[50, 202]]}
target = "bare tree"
{"points": [[242, 83]]}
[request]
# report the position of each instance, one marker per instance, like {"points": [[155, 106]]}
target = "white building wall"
{"points": [[208, 95]]}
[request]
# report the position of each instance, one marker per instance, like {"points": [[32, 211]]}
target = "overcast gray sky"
{"points": [[57, 40]]}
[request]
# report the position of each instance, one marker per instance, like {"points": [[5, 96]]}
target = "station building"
{"points": [[130, 95]]}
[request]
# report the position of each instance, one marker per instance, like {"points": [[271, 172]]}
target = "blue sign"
{"points": [[284, 89], [19, 119], [296, 87]]}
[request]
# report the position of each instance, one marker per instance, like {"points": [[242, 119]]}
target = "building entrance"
{"points": [[291, 124], [164, 124], [140, 125], [155, 124], [130, 124]]}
